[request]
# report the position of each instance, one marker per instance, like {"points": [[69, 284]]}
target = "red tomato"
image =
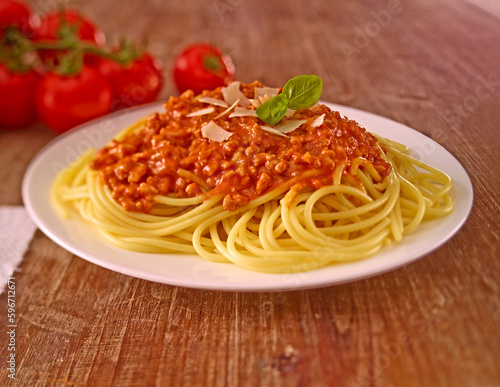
{"points": [[49, 29], [14, 13], [138, 83], [63, 102], [17, 107], [51, 23], [202, 67]]}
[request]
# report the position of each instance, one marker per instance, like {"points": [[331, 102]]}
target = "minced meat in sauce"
{"points": [[250, 163]]}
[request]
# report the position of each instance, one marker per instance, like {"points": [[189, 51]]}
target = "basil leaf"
{"points": [[303, 91], [300, 92], [272, 111]]}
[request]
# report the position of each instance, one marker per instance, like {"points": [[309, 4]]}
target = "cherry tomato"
{"points": [[63, 102], [50, 25], [49, 29], [15, 13], [202, 66], [137, 83], [17, 107]]}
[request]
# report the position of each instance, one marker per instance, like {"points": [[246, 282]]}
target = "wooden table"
{"points": [[432, 65]]}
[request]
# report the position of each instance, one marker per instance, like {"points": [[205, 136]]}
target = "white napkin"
{"points": [[16, 232]]}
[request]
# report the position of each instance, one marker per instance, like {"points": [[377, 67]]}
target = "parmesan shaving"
{"points": [[264, 93], [242, 112], [232, 93], [228, 109], [318, 121], [214, 132], [255, 103], [290, 125], [273, 131], [213, 101], [201, 112]]}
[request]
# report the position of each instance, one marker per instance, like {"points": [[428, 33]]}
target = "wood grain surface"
{"points": [[430, 64]]}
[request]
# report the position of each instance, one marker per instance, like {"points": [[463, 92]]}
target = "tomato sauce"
{"points": [[170, 156]]}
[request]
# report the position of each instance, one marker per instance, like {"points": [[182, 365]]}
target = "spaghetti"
{"points": [[325, 192]]}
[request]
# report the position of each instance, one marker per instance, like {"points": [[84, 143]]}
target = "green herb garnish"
{"points": [[300, 92], [272, 111]]}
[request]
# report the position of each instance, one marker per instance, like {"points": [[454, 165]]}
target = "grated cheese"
{"points": [[213, 101], [201, 112], [318, 121], [228, 109], [273, 130], [263, 94], [214, 132], [243, 112], [232, 93], [255, 103], [290, 125]]}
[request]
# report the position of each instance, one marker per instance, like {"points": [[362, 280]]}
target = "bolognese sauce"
{"points": [[170, 155]]}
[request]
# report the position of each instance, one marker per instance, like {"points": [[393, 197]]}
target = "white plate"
{"points": [[194, 272]]}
